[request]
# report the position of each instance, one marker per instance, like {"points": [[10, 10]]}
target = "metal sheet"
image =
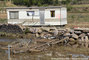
{"points": [[42, 16]]}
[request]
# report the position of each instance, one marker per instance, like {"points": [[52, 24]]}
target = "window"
{"points": [[14, 15], [30, 13], [52, 13]]}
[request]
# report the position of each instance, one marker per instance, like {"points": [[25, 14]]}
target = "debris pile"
{"points": [[9, 28], [77, 37], [47, 33]]}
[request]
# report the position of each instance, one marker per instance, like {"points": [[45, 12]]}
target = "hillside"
{"points": [[6, 4], [3, 15], [78, 13]]}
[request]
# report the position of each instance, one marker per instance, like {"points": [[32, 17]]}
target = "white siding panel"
{"points": [[47, 14], [63, 13], [23, 14], [57, 13], [63, 16]]}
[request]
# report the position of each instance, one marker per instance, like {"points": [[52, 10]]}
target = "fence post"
{"points": [[9, 46]]}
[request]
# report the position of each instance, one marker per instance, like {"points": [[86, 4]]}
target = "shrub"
{"points": [[69, 7], [26, 31]]}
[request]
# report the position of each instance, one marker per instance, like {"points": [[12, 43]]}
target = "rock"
{"points": [[71, 31], [82, 35], [71, 39], [82, 40], [86, 41], [67, 34], [39, 30], [75, 36], [43, 34], [77, 32], [68, 29], [55, 32], [37, 35], [33, 30], [52, 37]]}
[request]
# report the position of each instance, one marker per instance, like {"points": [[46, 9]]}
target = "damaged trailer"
{"points": [[37, 16]]}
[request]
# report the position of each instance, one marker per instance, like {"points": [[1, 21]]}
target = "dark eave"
{"points": [[52, 7]]}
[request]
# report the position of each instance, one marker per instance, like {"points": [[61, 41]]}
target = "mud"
{"points": [[49, 54]]}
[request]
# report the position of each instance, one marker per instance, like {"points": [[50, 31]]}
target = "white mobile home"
{"points": [[34, 16]]}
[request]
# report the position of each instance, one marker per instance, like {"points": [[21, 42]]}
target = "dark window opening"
{"points": [[30, 13], [52, 13]]}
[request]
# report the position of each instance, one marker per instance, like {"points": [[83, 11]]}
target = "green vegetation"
{"points": [[40, 2], [26, 31], [35, 2], [3, 21], [49, 2]]}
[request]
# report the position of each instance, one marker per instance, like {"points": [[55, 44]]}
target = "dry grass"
{"points": [[78, 19], [82, 25], [74, 50], [3, 16], [83, 5], [65, 50], [9, 4], [6, 4]]}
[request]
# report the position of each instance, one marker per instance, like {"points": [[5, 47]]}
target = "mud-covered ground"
{"points": [[51, 53]]}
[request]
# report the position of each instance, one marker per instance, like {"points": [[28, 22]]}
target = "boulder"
{"points": [[75, 36]]}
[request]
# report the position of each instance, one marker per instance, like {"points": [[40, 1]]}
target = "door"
{"points": [[42, 16]]}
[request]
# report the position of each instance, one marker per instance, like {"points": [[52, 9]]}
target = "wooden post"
{"points": [[9, 46], [82, 40], [86, 41]]}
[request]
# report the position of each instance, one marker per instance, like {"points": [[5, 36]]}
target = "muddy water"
{"points": [[7, 40], [45, 55]]}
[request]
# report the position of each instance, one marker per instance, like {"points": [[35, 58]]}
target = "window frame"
{"points": [[14, 15], [32, 12], [52, 12]]}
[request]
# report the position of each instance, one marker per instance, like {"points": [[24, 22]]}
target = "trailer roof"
{"points": [[35, 7]]}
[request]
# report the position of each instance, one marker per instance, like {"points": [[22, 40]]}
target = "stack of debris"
{"points": [[76, 37], [46, 33], [9, 28]]}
